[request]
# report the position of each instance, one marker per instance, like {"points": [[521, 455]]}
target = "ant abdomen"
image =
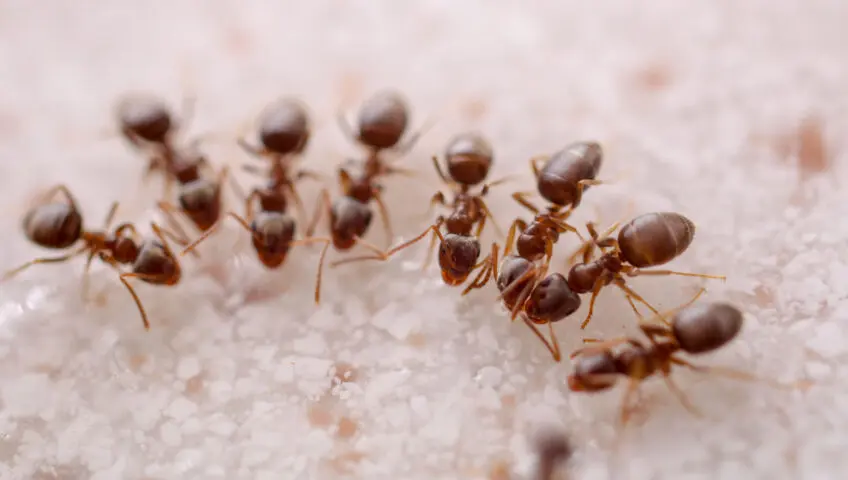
{"points": [[469, 158], [200, 201], [284, 127], [145, 117], [552, 300], [382, 120], [153, 259], [593, 372], [457, 257], [653, 239], [558, 179], [53, 225], [706, 327], [349, 220], [273, 233]]}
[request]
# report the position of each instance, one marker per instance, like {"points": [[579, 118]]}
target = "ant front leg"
{"points": [[123, 278], [552, 345], [440, 172], [490, 265], [582, 185], [438, 198], [518, 225], [380, 255], [488, 213], [244, 223], [636, 272], [521, 198], [65, 191], [412, 140], [170, 211], [63, 258], [384, 215], [320, 274], [534, 164], [622, 285], [324, 206]]}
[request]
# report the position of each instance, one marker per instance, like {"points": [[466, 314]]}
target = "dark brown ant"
{"points": [[647, 241], [284, 131], [553, 449], [59, 226], [469, 158], [694, 329], [522, 281], [382, 122], [147, 123]]}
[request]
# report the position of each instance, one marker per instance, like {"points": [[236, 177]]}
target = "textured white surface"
{"points": [[695, 103]]}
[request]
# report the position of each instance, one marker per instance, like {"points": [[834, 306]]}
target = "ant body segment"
{"points": [[59, 226], [468, 158], [649, 240], [522, 279]]}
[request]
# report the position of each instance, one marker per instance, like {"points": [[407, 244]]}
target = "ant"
{"points": [[694, 329], [468, 158], [382, 121], [553, 449], [522, 281], [284, 131], [59, 226], [649, 240], [146, 122]]}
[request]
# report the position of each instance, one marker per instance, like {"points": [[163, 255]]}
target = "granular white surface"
{"points": [[732, 113]]}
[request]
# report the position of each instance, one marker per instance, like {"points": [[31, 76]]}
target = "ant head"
{"points": [[382, 120], [532, 242], [457, 256], [552, 300], [349, 219], [153, 259], [125, 250], [284, 127], [582, 276], [706, 327], [273, 233], [200, 200], [145, 117], [512, 269], [53, 225], [594, 370], [469, 158]]}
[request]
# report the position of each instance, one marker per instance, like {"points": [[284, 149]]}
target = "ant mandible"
{"points": [[522, 282], [59, 226], [468, 158], [694, 329], [647, 241]]}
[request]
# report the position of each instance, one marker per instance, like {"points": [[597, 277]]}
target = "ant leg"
{"points": [[598, 345], [327, 242], [63, 258], [517, 225], [534, 164], [298, 203], [651, 329], [619, 282], [241, 221], [684, 400], [344, 180], [599, 284], [565, 227], [380, 255], [169, 210], [485, 274], [441, 173], [741, 375], [324, 204], [406, 146], [384, 214], [552, 345], [110, 215], [520, 197], [123, 278], [488, 213], [249, 149], [637, 272], [438, 198], [581, 185], [430, 248], [64, 190], [487, 186], [626, 402]]}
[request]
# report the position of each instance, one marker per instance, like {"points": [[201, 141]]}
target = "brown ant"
{"points": [[694, 329], [649, 240], [553, 449], [468, 158], [522, 282], [59, 226], [382, 121], [147, 123], [284, 132]]}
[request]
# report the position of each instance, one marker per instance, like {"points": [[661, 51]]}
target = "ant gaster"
{"points": [[468, 158], [59, 226], [694, 329], [649, 240], [522, 280]]}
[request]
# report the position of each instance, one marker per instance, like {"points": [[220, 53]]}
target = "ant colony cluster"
{"points": [[521, 270]]}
